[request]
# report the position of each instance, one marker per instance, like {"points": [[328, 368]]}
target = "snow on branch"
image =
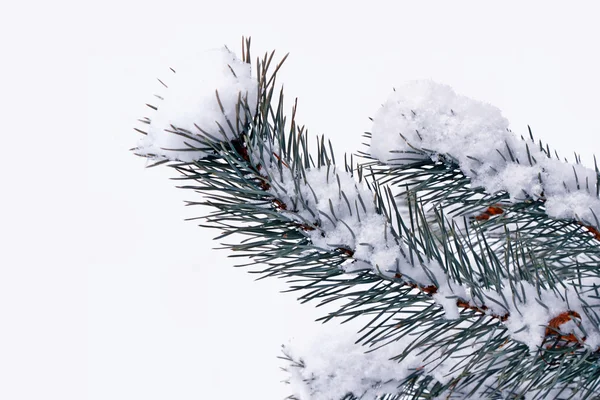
{"points": [[342, 216], [424, 119], [337, 214], [332, 366], [201, 98]]}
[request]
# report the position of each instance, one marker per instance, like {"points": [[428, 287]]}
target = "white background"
{"points": [[105, 292]]}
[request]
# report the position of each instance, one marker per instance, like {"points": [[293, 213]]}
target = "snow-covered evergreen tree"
{"points": [[470, 255]]}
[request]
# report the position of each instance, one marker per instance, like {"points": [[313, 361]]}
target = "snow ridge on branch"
{"points": [[424, 119]]}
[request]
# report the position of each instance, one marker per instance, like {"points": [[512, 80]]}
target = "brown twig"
{"points": [[489, 212]]}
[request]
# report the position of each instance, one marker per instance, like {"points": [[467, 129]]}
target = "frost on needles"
{"points": [[470, 256]]}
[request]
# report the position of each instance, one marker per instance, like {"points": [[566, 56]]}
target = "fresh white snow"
{"points": [[333, 366], [424, 119], [189, 104], [346, 214]]}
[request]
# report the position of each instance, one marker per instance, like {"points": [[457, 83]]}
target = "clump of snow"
{"points": [[334, 366], [189, 103], [527, 317], [432, 116], [423, 119], [565, 205], [447, 297]]}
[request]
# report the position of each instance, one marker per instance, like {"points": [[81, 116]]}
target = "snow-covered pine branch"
{"points": [[450, 305], [204, 97], [424, 119]]}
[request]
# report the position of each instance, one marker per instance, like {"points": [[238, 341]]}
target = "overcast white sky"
{"points": [[105, 292]]}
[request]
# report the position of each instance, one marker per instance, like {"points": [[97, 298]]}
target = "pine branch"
{"points": [[447, 293]]}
